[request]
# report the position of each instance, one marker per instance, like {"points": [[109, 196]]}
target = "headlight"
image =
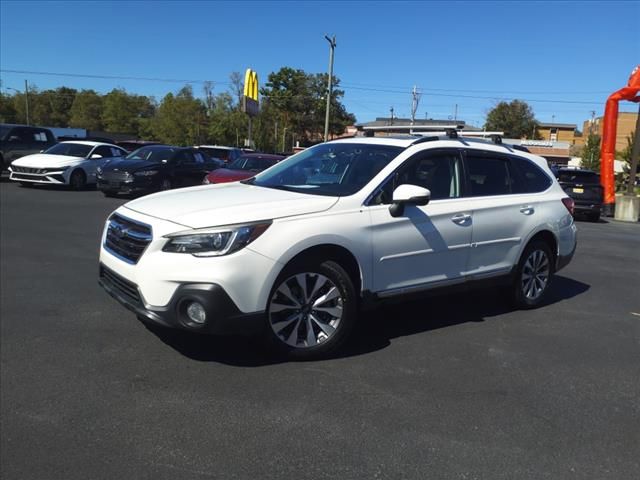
{"points": [[145, 173], [213, 242]]}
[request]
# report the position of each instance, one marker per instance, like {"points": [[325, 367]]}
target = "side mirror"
{"points": [[408, 195], [95, 156]]}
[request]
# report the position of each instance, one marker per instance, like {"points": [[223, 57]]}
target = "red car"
{"points": [[243, 167]]}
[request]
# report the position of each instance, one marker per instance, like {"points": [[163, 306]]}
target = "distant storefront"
{"points": [[555, 152]]}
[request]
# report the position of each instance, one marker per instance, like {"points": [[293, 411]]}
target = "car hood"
{"points": [[227, 204], [44, 160], [228, 175], [129, 165]]}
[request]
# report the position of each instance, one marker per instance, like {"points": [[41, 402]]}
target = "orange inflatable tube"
{"points": [[608, 147]]}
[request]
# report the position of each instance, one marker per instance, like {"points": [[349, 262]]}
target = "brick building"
{"points": [[626, 126]]}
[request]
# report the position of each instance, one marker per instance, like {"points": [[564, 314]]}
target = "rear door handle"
{"points": [[460, 218], [527, 209]]}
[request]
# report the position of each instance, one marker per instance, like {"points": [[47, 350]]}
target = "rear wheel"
{"points": [[311, 311], [533, 275], [78, 180], [594, 217]]}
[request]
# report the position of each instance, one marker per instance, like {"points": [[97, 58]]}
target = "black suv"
{"points": [[19, 140], [153, 168], [584, 187]]}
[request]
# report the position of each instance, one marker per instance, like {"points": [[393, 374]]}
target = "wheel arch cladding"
{"points": [[549, 238], [336, 253]]}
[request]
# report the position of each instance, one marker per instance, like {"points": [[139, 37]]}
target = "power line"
{"points": [[546, 92], [112, 77]]}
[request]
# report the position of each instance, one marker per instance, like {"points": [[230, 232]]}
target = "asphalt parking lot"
{"points": [[453, 387]]}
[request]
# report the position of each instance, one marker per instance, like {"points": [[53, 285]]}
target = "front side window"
{"points": [[439, 172], [70, 149], [487, 176], [333, 169], [103, 151]]}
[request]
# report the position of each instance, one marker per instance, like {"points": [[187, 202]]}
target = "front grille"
{"points": [[112, 176], [34, 171], [127, 239], [124, 287]]}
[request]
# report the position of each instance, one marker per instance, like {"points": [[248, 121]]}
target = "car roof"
{"points": [[267, 156], [90, 143], [443, 141], [217, 146]]}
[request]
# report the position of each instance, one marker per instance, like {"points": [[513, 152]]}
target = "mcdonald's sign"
{"points": [[250, 99]]}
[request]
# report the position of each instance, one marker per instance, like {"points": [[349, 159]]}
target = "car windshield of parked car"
{"points": [[151, 154], [333, 169], [252, 163], [70, 149]]}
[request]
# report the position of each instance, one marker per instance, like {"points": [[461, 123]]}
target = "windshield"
{"points": [[578, 177], [151, 154], [334, 169], [70, 149], [252, 163]]}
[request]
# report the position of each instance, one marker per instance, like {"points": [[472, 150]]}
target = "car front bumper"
{"points": [[223, 317], [135, 185]]}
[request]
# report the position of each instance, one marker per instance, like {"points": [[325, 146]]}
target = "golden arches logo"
{"points": [[251, 84]]}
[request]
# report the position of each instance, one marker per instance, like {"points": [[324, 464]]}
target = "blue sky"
{"points": [[465, 53]]}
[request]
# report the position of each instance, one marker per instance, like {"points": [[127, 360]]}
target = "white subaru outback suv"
{"points": [[294, 252]]}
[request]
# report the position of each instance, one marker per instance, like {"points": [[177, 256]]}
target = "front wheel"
{"points": [[533, 275], [311, 311], [78, 180]]}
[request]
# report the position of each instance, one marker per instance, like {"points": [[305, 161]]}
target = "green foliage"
{"points": [[292, 109], [591, 153], [515, 119], [622, 179], [86, 111], [125, 113], [180, 119], [7, 110]]}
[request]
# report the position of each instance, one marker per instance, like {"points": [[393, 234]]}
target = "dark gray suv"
{"points": [[19, 140]]}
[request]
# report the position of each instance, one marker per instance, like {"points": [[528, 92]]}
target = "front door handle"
{"points": [[527, 210], [460, 218]]}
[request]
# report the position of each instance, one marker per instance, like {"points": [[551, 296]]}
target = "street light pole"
{"points": [[332, 44], [26, 99]]}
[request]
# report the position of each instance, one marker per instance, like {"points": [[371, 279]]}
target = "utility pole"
{"points": [[26, 99], [391, 110], [332, 46], [415, 101], [455, 113]]}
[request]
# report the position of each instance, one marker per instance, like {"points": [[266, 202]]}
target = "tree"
{"points": [[591, 153], [515, 119], [86, 111], [298, 101], [180, 119], [7, 110], [237, 86], [125, 113]]}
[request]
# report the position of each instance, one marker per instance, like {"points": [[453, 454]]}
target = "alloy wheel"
{"points": [[535, 275], [306, 310]]}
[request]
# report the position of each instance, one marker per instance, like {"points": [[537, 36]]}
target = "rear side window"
{"points": [[528, 177], [488, 176]]}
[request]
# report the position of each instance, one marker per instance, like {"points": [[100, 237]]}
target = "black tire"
{"points": [[78, 180], [287, 330], [26, 184], [165, 184], [594, 217], [110, 194], [533, 275]]}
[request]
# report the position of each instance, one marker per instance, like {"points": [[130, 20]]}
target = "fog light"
{"points": [[196, 313]]}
